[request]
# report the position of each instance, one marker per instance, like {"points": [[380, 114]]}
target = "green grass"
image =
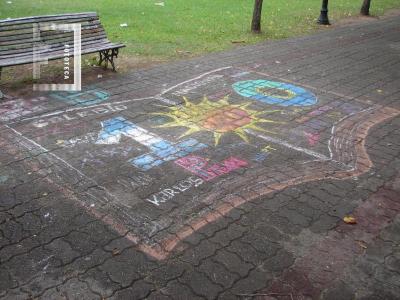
{"points": [[193, 26]]}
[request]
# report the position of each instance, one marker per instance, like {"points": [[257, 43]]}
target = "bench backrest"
{"points": [[16, 35]]}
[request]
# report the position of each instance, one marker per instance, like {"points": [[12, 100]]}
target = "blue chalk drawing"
{"points": [[160, 150], [260, 157], [3, 178], [84, 98], [276, 93]]}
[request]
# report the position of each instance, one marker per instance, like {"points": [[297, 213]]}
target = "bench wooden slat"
{"points": [[29, 31], [56, 54], [48, 37], [29, 46], [4, 28], [60, 54], [23, 51], [43, 52], [36, 19], [28, 52]]}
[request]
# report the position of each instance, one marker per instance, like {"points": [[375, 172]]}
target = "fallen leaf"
{"points": [[182, 51], [349, 220], [238, 42], [362, 244], [116, 252]]}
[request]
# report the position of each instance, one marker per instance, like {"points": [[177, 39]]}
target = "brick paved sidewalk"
{"points": [[226, 176]]}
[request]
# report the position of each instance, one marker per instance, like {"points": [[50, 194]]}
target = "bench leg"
{"points": [[100, 59], [113, 54], [107, 56], [0, 72]]}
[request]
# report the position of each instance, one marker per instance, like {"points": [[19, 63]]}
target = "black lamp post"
{"points": [[323, 17]]}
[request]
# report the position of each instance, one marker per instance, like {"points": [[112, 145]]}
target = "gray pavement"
{"points": [[226, 176]]}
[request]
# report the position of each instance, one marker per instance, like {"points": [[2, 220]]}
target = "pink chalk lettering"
{"points": [[197, 165]]}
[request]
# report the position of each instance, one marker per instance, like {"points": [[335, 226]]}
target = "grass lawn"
{"points": [[191, 27]]}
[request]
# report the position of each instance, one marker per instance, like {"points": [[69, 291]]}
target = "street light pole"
{"points": [[323, 17]]}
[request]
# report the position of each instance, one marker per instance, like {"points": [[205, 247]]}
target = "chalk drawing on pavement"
{"points": [[260, 157], [84, 98], [218, 117], [136, 181], [3, 178], [144, 207], [17, 108], [312, 137], [161, 150], [200, 166], [176, 189], [56, 118], [276, 93]]}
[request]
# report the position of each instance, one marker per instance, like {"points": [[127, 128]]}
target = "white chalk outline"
{"points": [[118, 206], [281, 142]]}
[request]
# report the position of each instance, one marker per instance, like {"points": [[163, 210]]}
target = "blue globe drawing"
{"points": [[275, 93]]}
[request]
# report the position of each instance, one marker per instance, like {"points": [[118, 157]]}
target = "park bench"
{"points": [[17, 39]]}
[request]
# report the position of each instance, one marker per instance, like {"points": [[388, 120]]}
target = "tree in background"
{"points": [[256, 23], [365, 7]]}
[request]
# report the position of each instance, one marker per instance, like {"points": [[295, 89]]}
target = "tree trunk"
{"points": [[256, 23], [365, 7]]}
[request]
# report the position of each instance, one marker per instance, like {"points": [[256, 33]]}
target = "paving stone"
{"points": [[257, 280], [158, 296], [201, 285], [99, 282], [233, 262], [121, 273], [172, 270], [340, 291], [278, 263], [180, 291], [139, 290], [218, 274], [226, 236], [74, 289]]}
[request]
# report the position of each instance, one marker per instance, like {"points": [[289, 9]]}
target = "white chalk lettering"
{"points": [[78, 115], [169, 193]]}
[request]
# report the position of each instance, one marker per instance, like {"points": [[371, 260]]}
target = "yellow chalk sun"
{"points": [[219, 117]]}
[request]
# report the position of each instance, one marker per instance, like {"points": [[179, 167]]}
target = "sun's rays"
{"points": [[218, 117]]}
